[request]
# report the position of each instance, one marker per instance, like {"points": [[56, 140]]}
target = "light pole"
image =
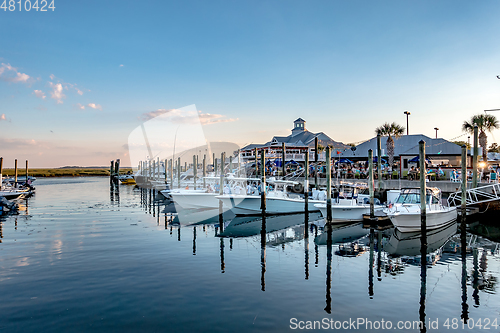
{"points": [[437, 129], [407, 113]]}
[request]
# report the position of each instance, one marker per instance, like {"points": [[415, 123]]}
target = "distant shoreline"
{"points": [[62, 172]]}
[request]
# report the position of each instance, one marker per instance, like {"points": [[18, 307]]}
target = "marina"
{"points": [[132, 267], [249, 166]]}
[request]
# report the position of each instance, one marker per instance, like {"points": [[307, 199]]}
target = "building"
{"points": [[406, 147], [299, 142]]}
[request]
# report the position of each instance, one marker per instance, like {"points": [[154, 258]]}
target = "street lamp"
{"points": [[437, 129], [407, 113]]}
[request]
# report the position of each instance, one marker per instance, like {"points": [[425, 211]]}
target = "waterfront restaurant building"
{"points": [[439, 152], [297, 144]]}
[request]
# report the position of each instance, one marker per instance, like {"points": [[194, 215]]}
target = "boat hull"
{"points": [[347, 213], [195, 199], [250, 205], [435, 219]]}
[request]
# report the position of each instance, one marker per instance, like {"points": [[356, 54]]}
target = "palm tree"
{"points": [[390, 130], [484, 122]]}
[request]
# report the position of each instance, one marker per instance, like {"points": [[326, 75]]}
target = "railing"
{"points": [[476, 195]]}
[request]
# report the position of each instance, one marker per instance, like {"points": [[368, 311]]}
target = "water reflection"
{"points": [[329, 245], [263, 232]]}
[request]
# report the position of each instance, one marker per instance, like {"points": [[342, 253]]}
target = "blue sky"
{"points": [[344, 66]]}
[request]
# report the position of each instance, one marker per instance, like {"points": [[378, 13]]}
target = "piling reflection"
{"points": [[463, 245], [306, 246], [423, 278], [370, 261], [329, 245], [263, 232]]}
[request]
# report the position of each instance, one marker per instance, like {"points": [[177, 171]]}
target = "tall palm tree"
{"points": [[390, 130], [485, 123]]}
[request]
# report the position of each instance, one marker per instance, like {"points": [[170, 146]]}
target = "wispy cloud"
{"points": [[2, 117], [11, 74], [57, 92], [81, 107], [177, 116], [94, 106], [212, 118], [121, 65], [39, 94]]}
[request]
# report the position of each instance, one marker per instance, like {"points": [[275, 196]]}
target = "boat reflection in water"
{"points": [[250, 226], [342, 233], [409, 243], [200, 216]]}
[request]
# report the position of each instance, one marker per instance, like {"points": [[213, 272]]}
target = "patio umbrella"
{"points": [[375, 160], [417, 159], [344, 160], [291, 162], [277, 162]]}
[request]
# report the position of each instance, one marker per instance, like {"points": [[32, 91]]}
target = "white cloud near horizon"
{"points": [[2, 117], [10, 74]]}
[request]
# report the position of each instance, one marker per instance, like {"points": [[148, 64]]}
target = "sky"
{"points": [[77, 80]]}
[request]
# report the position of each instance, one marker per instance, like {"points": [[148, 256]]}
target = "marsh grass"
{"points": [[63, 172]]}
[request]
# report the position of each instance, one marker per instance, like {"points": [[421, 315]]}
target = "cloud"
{"points": [[10, 74], [94, 106], [178, 116], [122, 65], [52, 76], [41, 108], [57, 92], [211, 118], [39, 94], [2, 117], [81, 107]]}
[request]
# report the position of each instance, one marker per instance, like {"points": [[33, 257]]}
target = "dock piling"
{"points": [[328, 186], [15, 173], [423, 189], [178, 172], [283, 156], [371, 183], [204, 170], [474, 159], [316, 145], [464, 182], [1, 171], [26, 183], [306, 182], [195, 170], [263, 181], [379, 163]]}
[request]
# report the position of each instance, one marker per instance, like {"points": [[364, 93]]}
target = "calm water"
{"points": [[82, 258]]}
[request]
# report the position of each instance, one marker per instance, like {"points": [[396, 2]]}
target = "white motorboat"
{"points": [[278, 201], [405, 213], [348, 206]]}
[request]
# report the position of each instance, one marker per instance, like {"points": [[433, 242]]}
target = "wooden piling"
{"points": [[153, 170], [178, 172], [185, 166], [171, 171], [474, 159], [165, 163], [239, 164], [1, 171], [26, 172], [283, 157], [221, 192], [316, 145], [263, 181], [371, 183], [231, 164], [306, 182], [194, 171], [215, 166], [256, 163], [204, 170], [111, 170], [328, 186], [423, 188], [379, 163], [15, 173], [464, 181]]}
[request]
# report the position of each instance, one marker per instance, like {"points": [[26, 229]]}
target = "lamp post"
{"points": [[436, 129], [407, 113]]}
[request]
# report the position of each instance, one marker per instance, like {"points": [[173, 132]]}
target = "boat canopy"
{"points": [[412, 196]]}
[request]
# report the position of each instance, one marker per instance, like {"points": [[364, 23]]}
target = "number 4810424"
{"points": [[27, 5]]}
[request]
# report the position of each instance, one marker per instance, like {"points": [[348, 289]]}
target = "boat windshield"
{"points": [[413, 197]]}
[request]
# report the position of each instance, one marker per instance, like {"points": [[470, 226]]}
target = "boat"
{"points": [[127, 179], [13, 193], [278, 201], [20, 180], [405, 212], [410, 243], [348, 206], [342, 233]]}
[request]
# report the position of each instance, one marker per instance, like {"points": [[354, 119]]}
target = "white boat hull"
{"points": [[406, 222], [250, 205], [347, 213], [195, 199]]}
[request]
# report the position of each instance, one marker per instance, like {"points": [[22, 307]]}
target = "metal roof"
{"points": [[405, 145]]}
